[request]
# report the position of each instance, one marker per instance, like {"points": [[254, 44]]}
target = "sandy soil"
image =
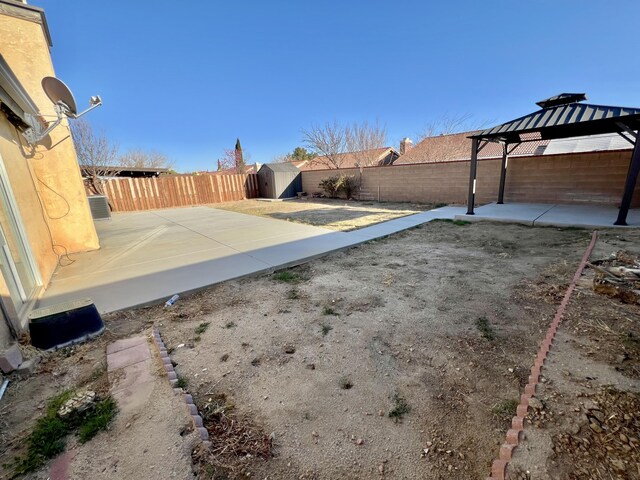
{"points": [[392, 319], [342, 215], [444, 318], [587, 423], [152, 441]]}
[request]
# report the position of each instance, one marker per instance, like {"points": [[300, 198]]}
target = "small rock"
{"points": [[314, 434], [27, 367], [381, 468], [535, 403], [359, 441], [381, 413], [595, 427], [127, 425]]}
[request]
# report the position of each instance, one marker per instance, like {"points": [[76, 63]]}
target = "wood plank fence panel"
{"points": [[131, 194]]}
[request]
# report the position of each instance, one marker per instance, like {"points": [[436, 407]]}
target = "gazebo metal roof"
{"points": [[561, 116]]}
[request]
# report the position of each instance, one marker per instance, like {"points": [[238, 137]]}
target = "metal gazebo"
{"points": [[561, 116]]}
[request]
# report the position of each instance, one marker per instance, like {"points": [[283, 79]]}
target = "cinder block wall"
{"points": [[574, 178]]}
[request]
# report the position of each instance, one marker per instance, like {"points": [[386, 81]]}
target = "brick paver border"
{"points": [[173, 380], [514, 434]]}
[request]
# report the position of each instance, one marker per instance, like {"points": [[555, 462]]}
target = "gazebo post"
{"points": [[629, 186], [472, 175], [503, 172]]}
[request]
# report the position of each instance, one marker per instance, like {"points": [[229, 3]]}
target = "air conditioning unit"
{"points": [[99, 206]]}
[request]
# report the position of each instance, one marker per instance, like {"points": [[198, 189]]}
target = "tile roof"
{"points": [[382, 156], [457, 147]]}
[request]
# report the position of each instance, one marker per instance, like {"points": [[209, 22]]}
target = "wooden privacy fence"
{"points": [[130, 194]]}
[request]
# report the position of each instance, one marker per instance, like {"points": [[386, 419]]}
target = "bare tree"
{"points": [[445, 140], [328, 141], [228, 161], [447, 125], [144, 159], [364, 141], [333, 140], [97, 155]]}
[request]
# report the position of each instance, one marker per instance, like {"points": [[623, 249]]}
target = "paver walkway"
{"points": [[148, 437], [148, 256]]}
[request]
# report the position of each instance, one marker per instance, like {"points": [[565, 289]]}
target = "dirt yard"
{"points": [[342, 215], [402, 358]]}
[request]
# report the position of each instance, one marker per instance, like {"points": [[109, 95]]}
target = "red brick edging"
{"points": [[173, 379], [514, 434]]}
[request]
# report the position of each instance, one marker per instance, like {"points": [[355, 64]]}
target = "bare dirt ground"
{"points": [[342, 215], [587, 423], [401, 358], [154, 443]]}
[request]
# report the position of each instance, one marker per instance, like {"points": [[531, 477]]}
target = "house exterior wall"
{"points": [[596, 177], [46, 182]]}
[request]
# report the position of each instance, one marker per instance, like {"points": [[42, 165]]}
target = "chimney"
{"points": [[405, 145]]}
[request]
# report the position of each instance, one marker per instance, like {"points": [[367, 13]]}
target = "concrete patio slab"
{"points": [[524, 213], [146, 257], [585, 216]]}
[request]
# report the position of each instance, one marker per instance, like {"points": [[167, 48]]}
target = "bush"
{"points": [[339, 184]]}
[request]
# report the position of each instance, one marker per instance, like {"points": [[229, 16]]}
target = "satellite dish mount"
{"points": [[64, 105]]}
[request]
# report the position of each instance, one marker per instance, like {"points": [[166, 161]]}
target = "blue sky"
{"points": [[187, 78]]}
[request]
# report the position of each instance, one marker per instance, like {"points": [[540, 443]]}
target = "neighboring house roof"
{"points": [[232, 171], [116, 171], [381, 156], [457, 147]]}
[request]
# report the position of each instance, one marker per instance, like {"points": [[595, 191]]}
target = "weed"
{"points": [[230, 324], [293, 294], [482, 324], [182, 382], [48, 437], [505, 408], [97, 419], [329, 311], [287, 276], [197, 338], [345, 383], [326, 329], [440, 205], [200, 329], [400, 408]]}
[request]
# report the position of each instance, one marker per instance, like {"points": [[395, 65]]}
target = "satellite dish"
{"points": [[64, 105], [60, 94]]}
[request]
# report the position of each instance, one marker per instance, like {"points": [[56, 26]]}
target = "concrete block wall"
{"points": [[574, 178]]}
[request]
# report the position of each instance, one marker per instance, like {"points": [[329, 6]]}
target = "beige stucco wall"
{"points": [[52, 173]]}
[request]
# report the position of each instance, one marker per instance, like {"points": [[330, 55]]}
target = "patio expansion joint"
{"points": [[533, 223], [515, 433], [172, 376]]}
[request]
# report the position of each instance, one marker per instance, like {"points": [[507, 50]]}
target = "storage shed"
{"points": [[279, 180]]}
